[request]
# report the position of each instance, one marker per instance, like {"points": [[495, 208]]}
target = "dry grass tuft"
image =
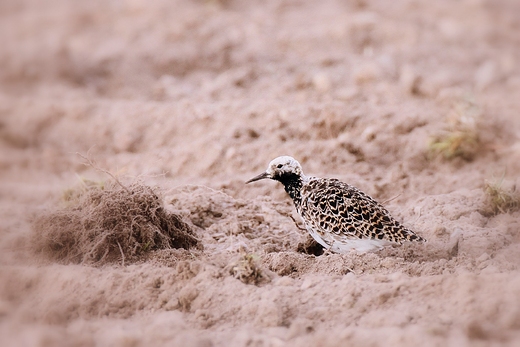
{"points": [[502, 197], [461, 138], [109, 222], [247, 270]]}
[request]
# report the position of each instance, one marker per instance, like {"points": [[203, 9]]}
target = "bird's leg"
{"points": [[328, 251]]}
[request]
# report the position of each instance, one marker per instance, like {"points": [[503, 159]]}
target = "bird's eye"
{"points": [[279, 166]]}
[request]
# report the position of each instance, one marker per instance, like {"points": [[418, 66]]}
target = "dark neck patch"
{"points": [[293, 185]]}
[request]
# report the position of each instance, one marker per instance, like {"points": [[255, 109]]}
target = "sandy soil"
{"points": [[195, 97]]}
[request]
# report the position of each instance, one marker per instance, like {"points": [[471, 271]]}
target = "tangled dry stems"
{"points": [[502, 199], [247, 270], [109, 223]]}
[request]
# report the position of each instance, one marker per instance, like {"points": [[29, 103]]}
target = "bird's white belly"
{"points": [[359, 245], [346, 245]]}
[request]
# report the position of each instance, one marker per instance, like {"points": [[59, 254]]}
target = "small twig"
{"points": [[93, 165], [163, 174], [94, 248], [292, 218], [351, 271], [102, 258], [388, 200], [122, 254], [296, 223]]}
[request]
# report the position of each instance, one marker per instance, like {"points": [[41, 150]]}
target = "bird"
{"points": [[339, 216]]}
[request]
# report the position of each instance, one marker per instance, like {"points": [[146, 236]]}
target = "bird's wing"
{"points": [[345, 212]]}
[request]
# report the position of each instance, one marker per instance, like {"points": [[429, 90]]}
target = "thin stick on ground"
{"points": [[296, 223], [390, 199], [91, 163], [122, 254]]}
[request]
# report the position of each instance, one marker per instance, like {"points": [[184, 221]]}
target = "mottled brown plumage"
{"points": [[338, 216]]}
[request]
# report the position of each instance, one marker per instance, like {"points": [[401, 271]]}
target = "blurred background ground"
{"points": [[404, 98]]}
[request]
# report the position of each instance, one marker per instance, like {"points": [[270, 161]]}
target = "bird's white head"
{"points": [[279, 168]]}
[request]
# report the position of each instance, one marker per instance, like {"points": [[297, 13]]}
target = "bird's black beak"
{"points": [[259, 177]]}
